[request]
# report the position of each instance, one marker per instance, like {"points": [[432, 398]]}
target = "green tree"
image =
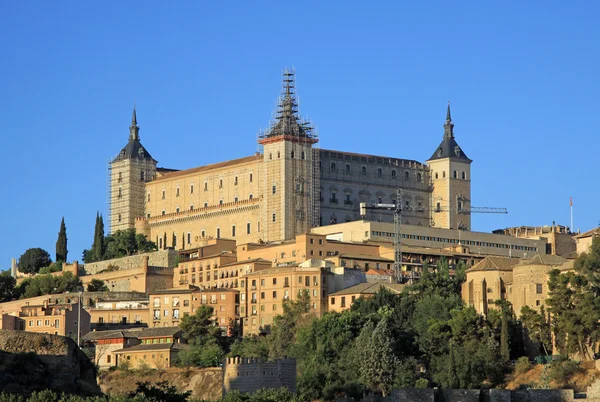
{"points": [[161, 391], [49, 284], [143, 244], [7, 286], [378, 364], [204, 335], [537, 327], [283, 333], [97, 285], [588, 265], [504, 339], [61, 242], [33, 259]]}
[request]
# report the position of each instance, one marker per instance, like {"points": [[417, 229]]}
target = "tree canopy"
{"points": [[97, 285], [119, 244], [33, 259]]}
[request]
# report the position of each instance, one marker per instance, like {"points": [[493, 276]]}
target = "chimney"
{"points": [[13, 268]]}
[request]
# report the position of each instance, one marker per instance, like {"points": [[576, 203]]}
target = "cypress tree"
{"points": [[61, 242], [98, 245], [504, 346]]}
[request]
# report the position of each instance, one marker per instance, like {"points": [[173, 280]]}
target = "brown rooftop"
{"points": [[495, 264], [370, 289], [205, 168]]}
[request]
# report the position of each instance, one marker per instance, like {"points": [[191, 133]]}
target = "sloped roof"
{"points": [[589, 233], [369, 288], [144, 347], [204, 168], [494, 264], [97, 335], [544, 259], [158, 332], [449, 148], [134, 150]]}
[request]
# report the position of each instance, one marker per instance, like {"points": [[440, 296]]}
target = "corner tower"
{"points": [[291, 176], [128, 174], [451, 178]]}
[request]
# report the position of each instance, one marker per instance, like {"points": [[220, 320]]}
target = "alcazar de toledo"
{"points": [[285, 190]]}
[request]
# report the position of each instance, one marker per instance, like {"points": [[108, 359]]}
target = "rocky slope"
{"points": [[204, 383], [31, 362]]}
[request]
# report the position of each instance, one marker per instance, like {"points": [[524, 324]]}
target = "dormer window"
{"points": [[440, 152]]}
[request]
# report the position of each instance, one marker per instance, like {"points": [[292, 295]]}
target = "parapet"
{"points": [[249, 374]]}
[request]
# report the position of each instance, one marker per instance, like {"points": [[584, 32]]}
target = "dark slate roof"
{"points": [[449, 148], [134, 150], [157, 332], [97, 335], [151, 346]]}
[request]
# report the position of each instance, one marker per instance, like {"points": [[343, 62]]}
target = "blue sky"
{"points": [[373, 76]]}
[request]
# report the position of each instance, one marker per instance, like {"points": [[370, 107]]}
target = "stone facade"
{"points": [[559, 239], [282, 191], [248, 375], [161, 258], [522, 282]]}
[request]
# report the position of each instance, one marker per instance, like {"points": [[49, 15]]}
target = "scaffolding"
{"points": [[291, 163]]}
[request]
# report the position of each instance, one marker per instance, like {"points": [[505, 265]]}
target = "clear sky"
{"points": [[375, 77]]}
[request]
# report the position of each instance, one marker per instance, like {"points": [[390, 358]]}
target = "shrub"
{"points": [[422, 383], [522, 366], [561, 372]]}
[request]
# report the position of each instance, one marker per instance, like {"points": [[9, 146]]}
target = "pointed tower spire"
{"points": [[134, 130], [448, 126]]}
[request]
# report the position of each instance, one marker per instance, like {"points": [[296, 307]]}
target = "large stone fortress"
{"points": [[284, 190]]}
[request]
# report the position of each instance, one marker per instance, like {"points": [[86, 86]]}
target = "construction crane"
{"points": [[398, 208]]}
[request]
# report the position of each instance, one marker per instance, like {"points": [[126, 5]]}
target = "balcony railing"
{"points": [[333, 200]]}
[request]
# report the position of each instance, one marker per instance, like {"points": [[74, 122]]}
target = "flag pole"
{"points": [[571, 204]]}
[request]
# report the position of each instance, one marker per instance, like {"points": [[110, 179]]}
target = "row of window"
{"points": [[463, 175], [456, 241], [177, 209], [46, 323], [363, 170], [292, 155], [162, 242], [342, 301]]}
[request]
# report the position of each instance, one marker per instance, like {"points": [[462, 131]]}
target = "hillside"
{"points": [[204, 383], [31, 362]]}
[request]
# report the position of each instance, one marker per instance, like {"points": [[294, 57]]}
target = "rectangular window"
{"points": [[262, 295], [274, 189], [274, 281], [233, 231], [250, 177], [343, 301], [538, 288], [333, 301], [274, 294], [274, 218], [247, 228], [192, 189]]}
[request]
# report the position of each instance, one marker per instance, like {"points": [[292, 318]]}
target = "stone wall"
{"points": [[162, 258], [251, 374], [476, 395]]}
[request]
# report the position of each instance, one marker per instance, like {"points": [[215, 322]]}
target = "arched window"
{"points": [[363, 170], [464, 176], [419, 177], [436, 175], [393, 173], [406, 176], [303, 156], [292, 154], [332, 166], [278, 154], [444, 174], [455, 175], [379, 172], [348, 168]]}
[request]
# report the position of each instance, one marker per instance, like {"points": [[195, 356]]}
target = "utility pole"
{"points": [[397, 209]]}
